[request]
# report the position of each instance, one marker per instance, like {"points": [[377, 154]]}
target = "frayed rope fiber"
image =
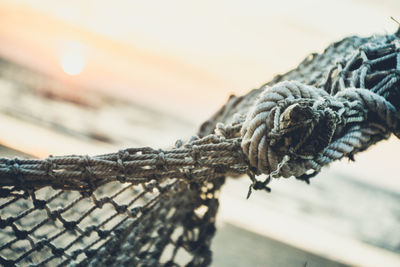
{"points": [[290, 130], [293, 128], [148, 207]]}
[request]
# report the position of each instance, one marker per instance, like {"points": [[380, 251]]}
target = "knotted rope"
{"points": [[294, 128], [142, 206], [291, 129]]}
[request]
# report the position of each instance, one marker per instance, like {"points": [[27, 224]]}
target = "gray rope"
{"points": [[197, 160], [160, 203], [294, 128]]}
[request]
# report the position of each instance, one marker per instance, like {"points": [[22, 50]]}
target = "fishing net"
{"points": [[148, 207]]}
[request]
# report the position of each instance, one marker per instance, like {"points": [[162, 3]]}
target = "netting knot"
{"points": [[14, 167], [50, 166], [161, 161]]}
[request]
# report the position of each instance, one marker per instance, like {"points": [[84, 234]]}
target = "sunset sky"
{"points": [[187, 56]]}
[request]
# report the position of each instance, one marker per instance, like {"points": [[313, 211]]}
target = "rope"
{"points": [[293, 128], [197, 160], [148, 207]]}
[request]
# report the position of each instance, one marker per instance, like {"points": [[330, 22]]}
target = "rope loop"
{"points": [[293, 128]]}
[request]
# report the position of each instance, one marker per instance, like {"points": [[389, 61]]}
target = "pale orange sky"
{"points": [[183, 56]]}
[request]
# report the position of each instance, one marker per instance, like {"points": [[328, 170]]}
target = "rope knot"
{"points": [[306, 128], [15, 167], [291, 123], [50, 166], [288, 119], [161, 161], [293, 128]]}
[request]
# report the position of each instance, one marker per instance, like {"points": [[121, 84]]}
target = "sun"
{"points": [[72, 59]]}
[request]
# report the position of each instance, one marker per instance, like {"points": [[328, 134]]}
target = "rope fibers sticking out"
{"points": [[294, 127], [148, 207]]}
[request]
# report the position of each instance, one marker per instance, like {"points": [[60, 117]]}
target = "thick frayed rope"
{"points": [[160, 206], [293, 128]]}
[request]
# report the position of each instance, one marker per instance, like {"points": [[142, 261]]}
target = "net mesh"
{"points": [[146, 207]]}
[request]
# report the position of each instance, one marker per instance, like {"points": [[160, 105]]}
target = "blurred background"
{"points": [[88, 77]]}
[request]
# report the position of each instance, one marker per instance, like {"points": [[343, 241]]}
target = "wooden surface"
{"points": [[233, 246], [338, 217], [41, 116]]}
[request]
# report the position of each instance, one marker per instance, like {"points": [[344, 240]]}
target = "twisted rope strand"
{"points": [[290, 128], [307, 124], [194, 162], [286, 121], [291, 118]]}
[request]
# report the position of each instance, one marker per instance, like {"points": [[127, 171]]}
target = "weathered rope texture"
{"points": [[294, 128], [196, 161], [147, 207]]}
